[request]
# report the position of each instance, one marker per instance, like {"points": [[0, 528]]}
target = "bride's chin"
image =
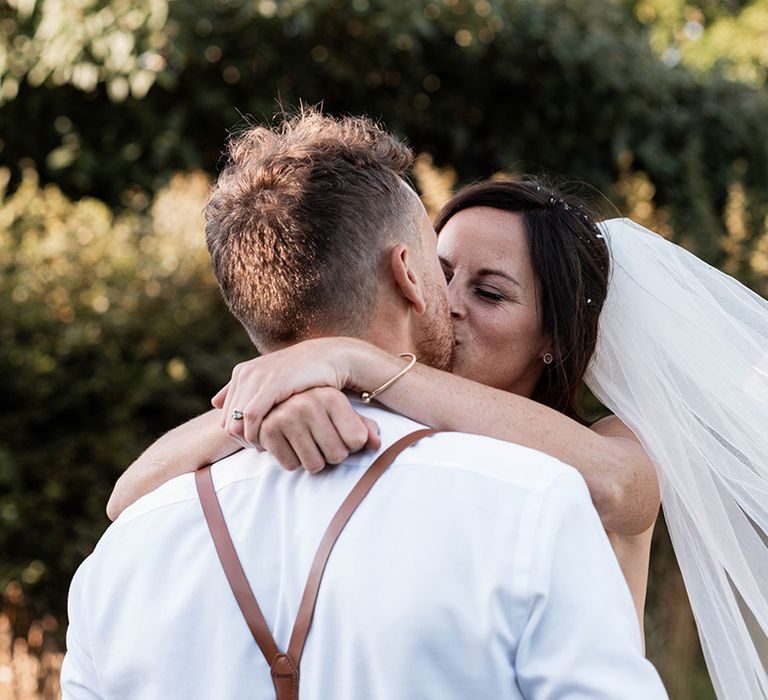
{"points": [[463, 366], [458, 364]]}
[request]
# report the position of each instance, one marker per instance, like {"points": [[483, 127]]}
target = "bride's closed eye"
{"points": [[488, 295]]}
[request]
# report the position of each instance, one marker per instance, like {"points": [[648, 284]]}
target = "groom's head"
{"points": [[313, 231]]}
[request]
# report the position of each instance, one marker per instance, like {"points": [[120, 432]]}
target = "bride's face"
{"points": [[495, 299]]}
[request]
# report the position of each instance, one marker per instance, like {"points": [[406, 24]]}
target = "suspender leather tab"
{"points": [[284, 667], [285, 677]]}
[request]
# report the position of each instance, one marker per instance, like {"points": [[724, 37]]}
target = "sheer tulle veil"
{"points": [[682, 359]]}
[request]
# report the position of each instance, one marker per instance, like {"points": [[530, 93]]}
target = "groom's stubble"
{"points": [[435, 347]]}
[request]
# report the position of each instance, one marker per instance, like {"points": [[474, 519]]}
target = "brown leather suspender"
{"points": [[285, 666]]}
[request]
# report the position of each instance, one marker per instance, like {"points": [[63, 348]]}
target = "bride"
{"points": [[680, 356]]}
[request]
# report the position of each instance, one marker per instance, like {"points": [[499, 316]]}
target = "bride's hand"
{"points": [[315, 428], [260, 384]]}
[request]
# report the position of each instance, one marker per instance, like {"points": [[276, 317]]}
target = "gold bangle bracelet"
{"points": [[366, 396]]}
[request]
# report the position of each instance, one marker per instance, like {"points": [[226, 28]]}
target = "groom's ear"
{"points": [[407, 278]]}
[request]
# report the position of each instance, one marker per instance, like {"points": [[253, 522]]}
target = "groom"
{"points": [[473, 569]]}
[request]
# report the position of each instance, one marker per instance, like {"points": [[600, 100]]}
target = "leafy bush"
{"points": [[124, 94], [115, 333]]}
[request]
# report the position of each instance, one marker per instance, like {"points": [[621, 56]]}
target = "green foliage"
{"points": [[115, 333], [732, 36], [83, 43], [575, 88]]}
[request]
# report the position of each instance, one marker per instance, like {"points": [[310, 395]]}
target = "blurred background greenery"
{"points": [[113, 114]]}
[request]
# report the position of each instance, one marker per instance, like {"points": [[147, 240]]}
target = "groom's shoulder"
{"points": [[241, 466], [475, 456], [163, 515], [496, 461]]}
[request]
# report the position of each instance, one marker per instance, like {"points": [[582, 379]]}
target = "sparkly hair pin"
{"points": [[555, 201]]}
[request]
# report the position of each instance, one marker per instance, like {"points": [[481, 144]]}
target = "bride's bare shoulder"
{"points": [[612, 426], [641, 483], [620, 433], [623, 438]]}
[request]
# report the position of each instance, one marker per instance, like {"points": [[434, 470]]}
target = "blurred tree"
{"points": [[732, 35], [115, 333], [123, 94]]}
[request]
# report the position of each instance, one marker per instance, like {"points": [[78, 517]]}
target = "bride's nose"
{"points": [[455, 301]]}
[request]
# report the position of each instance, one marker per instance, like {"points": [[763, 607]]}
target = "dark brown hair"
{"points": [[570, 259], [298, 221]]}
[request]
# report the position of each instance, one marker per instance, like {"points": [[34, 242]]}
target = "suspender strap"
{"points": [[232, 566], [285, 667], [351, 502]]}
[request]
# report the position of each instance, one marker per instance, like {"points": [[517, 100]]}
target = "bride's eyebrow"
{"points": [[487, 272]]}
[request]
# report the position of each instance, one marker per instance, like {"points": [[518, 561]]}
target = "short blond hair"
{"points": [[299, 219]]}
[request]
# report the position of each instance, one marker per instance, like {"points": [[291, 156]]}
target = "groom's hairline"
{"points": [[380, 156]]}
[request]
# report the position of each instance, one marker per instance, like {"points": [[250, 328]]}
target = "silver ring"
{"points": [[237, 415]]}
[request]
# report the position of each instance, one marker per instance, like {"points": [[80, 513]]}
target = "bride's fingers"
{"points": [[304, 421], [311, 451], [257, 404], [350, 426], [328, 440], [274, 441], [242, 442], [218, 400], [226, 407], [232, 427], [252, 427], [374, 439], [234, 423]]}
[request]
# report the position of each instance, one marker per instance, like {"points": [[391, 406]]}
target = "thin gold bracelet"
{"points": [[366, 396]]}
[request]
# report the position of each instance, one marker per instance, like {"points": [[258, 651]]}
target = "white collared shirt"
{"points": [[474, 569]]}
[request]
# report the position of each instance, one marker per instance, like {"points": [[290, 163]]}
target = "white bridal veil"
{"points": [[682, 359]]}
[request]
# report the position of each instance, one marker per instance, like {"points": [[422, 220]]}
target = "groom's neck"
{"points": [[391, 334], [385, 337]]}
